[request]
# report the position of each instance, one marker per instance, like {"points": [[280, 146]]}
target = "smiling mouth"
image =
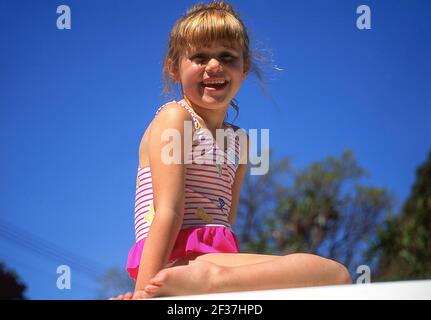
{"points": [[214, 86]]}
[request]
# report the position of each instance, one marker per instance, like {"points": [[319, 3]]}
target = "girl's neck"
{"points": [[213, 119]]}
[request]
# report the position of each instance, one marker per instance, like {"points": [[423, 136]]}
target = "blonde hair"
{"points": [[201, 26]]}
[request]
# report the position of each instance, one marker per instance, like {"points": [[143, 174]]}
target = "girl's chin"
{"points": [[210, 104], [214, 100], [215, 96]]}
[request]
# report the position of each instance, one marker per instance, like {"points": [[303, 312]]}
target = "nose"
{"points": [[213, 65]]}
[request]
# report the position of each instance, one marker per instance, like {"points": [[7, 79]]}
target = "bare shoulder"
{"points": [[172, 115]]}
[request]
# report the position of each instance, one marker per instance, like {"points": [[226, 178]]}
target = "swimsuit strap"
{"points": [[192, 114]]}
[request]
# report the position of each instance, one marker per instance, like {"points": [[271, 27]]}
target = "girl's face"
{"points": [[211, 76]]}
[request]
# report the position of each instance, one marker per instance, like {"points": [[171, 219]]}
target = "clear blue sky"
{"points": [[74, 104]]}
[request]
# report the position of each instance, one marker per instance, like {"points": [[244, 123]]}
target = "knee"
{"points": [[336, 273], [342, 275]]}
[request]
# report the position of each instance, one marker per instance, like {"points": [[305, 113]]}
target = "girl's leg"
{"points": [[228, 259], [242, 272]]}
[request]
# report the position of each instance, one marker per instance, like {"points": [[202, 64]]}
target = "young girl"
{"points": [[184, 210]]}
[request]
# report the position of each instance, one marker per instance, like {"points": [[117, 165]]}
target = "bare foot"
{"points": [[137, 295], [195, 278], [126, 296]]}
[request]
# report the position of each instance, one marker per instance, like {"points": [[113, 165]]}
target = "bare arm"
{"points": [[168, 191]]}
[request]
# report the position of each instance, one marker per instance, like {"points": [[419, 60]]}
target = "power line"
{"points": [[12, 261], [34, 247], [48, 250]]}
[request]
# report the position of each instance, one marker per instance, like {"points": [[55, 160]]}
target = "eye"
{"points": [[199, 59], [227, 58]]}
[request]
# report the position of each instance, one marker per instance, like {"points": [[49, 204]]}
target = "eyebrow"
{"points": [[203, 53]]}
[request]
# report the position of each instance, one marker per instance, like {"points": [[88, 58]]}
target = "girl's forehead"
{"points": [[214, 47]]}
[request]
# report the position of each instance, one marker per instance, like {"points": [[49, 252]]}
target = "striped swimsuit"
{"points": [[209, 176]]}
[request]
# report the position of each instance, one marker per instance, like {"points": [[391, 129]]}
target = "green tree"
{"points": [[259, 197], [322, 209], [404, 243], [11, 288], [115, 281]]}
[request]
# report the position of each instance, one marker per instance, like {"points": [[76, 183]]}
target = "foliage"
{"points": [[322, 209], [11, 288], [404, 242], [115, 281]]}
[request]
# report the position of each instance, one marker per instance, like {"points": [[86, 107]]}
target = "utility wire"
{"points": [[13, 261], [48, 250]]}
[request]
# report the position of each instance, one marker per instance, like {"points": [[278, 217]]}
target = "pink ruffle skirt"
{"points": [[190, 241]]}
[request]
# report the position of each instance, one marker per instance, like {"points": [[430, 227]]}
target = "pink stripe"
{"points": [[145, 185], [210, 205], [198, 188], [214, 202], [146, 168], [143, 225], [211, 200], [141, 235], [142, 181], [139, 190], [204, 185], [209, 213], [189, 225], [209, 177], [207, 165], [209, 171], [203, 144], [145, 176], [144, 207], [139, 220], [200, 224], [146, 189], [206, 200], [214, 209], [142, 194], [138, 199], [211, 194], [141, 211], [208, 182], [199, 220], [231, 175], [143, 202], [207, 192], [145, 173]]}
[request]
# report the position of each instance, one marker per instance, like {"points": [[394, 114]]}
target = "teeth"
{"points": [[214, 82]]}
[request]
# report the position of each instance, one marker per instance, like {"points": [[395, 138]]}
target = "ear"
{"points": [[246, 69], [173, 72]]}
